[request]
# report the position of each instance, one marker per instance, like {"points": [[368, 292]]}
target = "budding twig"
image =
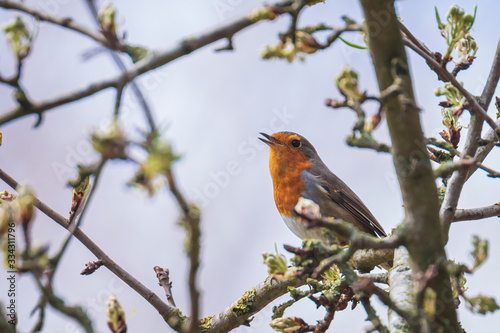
{"points": [[164, 280]]}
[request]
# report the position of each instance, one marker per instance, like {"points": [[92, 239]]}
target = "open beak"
{"points": [[271, 141]]}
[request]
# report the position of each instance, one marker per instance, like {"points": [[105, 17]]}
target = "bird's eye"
{"points": [[296, 143]]}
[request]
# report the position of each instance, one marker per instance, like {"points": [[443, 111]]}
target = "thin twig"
{"points": [[65, 22], [164, 309], [192, 221], [226, 320], [135, 88], [147, 64], [372, 315], [413, 39], [338, 32], [76, 312], [360, 239], [324, 324], [443, 72], [491, 173], [57, 258], [376, 277], [458, 178], [164, 280], [118, 100], [367, 286]]}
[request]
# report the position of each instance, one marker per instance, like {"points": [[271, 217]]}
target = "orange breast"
{"points": [[285, 170]]}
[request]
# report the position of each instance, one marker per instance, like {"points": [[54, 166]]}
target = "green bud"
{"points": [[287, 324], [6, 217], [306, 43], [453, 95], [332, 274], [24, 205], [466, 47], [468, 20], [480, 252], [265, 13], [455, 13], [158, 163], [116, 316], [137, 53], [481, 304], [110, 141], [282, 50], [347, 83], [106, 16], [18, 36], [277, 265]]}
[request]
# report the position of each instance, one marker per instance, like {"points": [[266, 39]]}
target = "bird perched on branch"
{"points": [[298, 172]]}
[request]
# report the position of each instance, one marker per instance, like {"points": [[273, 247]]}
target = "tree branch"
{"points": [[410, 157], [249, 304], [55, 260], [447, 76], [402, 290], [358, 239], [65, 22], [191, 217], [135, 88], [173, 318], [147, 64], [372, 316], [164, 280], [367, 286], [459, 177], [477, 213], [377, 251]]}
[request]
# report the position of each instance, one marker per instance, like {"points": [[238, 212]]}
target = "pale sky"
{"points": [[212, 107]]}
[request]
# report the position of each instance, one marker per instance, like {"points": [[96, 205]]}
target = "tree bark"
{"points": [[411, 161]]}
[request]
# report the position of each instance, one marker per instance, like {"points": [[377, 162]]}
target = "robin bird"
{"points": [[298, 172]]}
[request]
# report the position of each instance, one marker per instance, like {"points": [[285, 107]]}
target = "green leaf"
{"points": [[480, 252], [277, 265], [441, 25], [474, 15], [481, 304], [356, 46]]}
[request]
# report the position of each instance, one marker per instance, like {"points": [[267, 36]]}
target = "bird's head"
{"points": [[289, 151]]}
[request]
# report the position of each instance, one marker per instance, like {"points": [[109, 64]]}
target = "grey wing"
{"points": [[345, 198]]}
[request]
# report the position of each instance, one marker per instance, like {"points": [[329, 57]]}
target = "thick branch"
{"points": [[402, 289], [252, 302], [477, 213], [147, 64], [410, 157]]}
